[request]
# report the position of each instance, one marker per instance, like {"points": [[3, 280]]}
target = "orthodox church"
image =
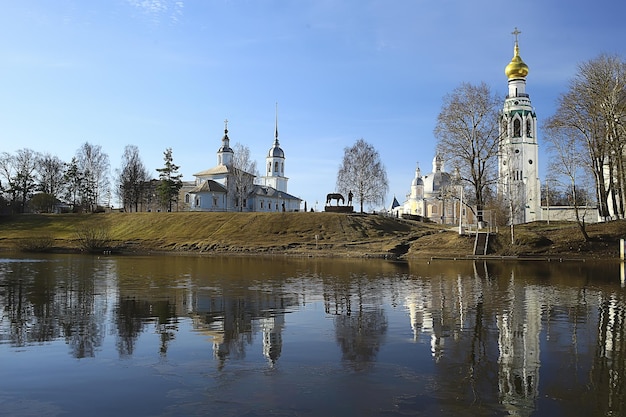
{"points": [[218, 188], [437, 196], [518, 157], [433, 197]]}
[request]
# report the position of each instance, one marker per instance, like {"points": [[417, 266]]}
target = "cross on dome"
{"points": [[516, 32]]}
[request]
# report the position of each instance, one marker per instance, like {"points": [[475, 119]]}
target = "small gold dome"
{"points": [[516, 68]]}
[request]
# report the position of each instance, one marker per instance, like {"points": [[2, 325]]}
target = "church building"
{"points": [[434, 197], [518, 164], [218, 188]]}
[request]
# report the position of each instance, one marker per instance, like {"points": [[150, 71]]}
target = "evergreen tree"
{"points": [[170, 181]]}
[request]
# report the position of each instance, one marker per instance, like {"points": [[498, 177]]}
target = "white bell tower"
{"points": [[275, 164], [518, 168], [225, 153]]}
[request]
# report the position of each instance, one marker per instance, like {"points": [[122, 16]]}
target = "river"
{"points": [[247, 336]]}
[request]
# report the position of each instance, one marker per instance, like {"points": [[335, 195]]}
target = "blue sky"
{"points": [[166, 73]]}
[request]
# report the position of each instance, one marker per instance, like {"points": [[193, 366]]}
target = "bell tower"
{"points": [[275, 164], [518, 168], [225, 153]]}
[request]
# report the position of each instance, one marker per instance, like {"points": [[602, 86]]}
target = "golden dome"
{"points": [[516, 68]]}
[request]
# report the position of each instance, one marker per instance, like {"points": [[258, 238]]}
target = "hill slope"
{"points": [[328, 233], [325, 234]]}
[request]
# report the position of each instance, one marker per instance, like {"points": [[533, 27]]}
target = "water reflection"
{"points": [[476, 338]]}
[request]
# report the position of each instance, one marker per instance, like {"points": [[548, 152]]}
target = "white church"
{"points": [[434, 197], [215, 189]]}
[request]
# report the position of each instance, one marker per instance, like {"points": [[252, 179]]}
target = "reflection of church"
{"points": [[232, 321], [518, 342], [442, 310]]}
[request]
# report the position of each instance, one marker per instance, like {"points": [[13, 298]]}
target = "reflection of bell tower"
{"points": [[272, 328], [518, 172], [518, 341]]}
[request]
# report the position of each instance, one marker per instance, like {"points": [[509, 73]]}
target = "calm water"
{"points": [[190, 336]]}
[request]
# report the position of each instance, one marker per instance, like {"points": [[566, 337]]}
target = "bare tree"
{"points": [[7, 178], [132, 179], [50, 169], [567, 167], [593, 113], [363, 174], [468, 136], [244, 171], [25, 167], [93, 164]]}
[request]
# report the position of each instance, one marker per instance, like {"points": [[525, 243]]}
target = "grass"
{"points": [[295, 233], [232, 232]]}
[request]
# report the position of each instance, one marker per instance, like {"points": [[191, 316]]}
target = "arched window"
{"points": [[529, 130], [269, 167], [275, 166], [517, 128], [186, 198]]}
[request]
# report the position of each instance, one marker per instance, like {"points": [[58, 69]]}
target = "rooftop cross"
{"points": [[516, 33], [226, 125]]}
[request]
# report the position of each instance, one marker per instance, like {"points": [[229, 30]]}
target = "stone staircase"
{"points": [[481, 243]]}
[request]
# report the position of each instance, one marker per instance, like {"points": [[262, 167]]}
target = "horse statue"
{"points": [[334, 196]]}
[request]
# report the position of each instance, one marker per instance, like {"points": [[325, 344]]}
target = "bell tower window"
{"points": [[517, 128]]}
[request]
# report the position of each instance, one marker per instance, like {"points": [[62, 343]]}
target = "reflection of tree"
{"points": [[167, 322], [608, 372], [131, 316], [79, 319], [46, 302], [17, 310], [360, 334], [237, 330]]}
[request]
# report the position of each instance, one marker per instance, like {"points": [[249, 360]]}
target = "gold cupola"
{"points": [[516, 68]]}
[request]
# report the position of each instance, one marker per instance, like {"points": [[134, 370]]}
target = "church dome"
{"points": [[418, 178], [516, 68], [276, 151], [225, 143], [438, 180]]}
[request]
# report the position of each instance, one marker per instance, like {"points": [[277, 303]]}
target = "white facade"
{"points": [[275, 166], [215, 187], [518, 168], [434, 196]]}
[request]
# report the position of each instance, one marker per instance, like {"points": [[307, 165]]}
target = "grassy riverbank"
{"points": [[303, 234]]}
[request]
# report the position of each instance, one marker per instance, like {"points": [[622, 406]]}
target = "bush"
{"points": [[36, 244], [93, 239]]}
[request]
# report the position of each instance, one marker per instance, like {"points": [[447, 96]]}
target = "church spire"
{"points": [[276, 129]]}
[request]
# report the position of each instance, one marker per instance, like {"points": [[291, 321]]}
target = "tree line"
{"points": [[41, 182]]}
